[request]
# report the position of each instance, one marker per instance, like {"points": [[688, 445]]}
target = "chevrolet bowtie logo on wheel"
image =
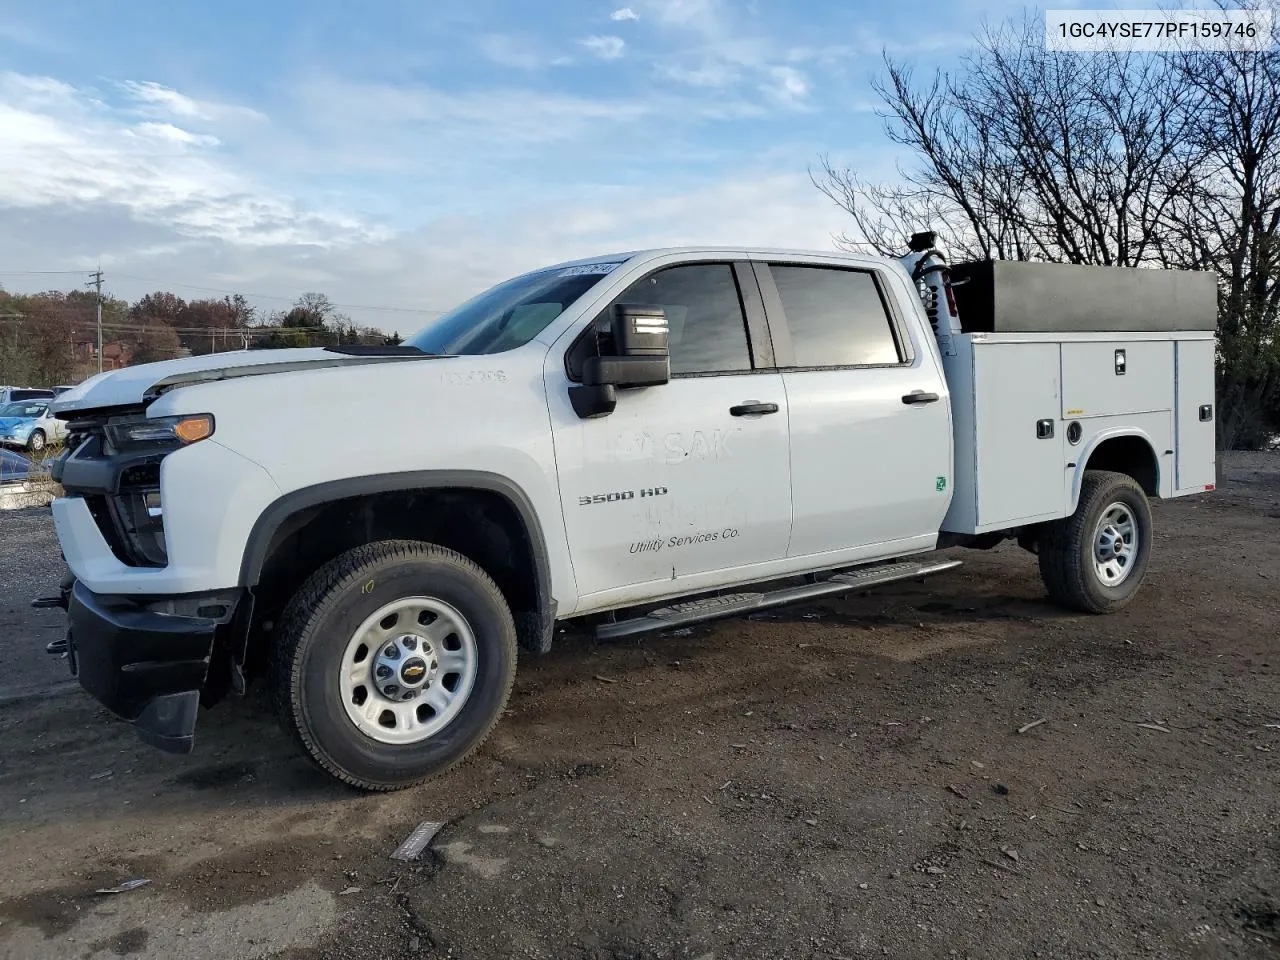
{"points": [[413, 671]]}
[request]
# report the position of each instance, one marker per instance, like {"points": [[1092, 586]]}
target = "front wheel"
{"points": [[1095, 559], [36, 442], [395, 661]]}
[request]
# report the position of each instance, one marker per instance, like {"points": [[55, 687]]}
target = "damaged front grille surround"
{"points": [[114, 465]]}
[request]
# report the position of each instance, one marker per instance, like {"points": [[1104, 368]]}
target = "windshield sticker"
{"points": [[586, 269]]}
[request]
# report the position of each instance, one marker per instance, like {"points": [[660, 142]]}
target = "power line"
{"points": [[223, 290], [270, 296], [26, 273], [161, 326]]}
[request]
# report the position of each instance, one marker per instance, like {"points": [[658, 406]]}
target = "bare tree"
{"points": [[1103, 158], [1029, 154], [1230, 223]]}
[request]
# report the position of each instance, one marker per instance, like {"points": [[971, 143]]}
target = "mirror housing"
{"points": [[640, 337], [640, 331]]}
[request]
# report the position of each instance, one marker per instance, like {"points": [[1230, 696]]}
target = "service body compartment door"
{"points": [[1019, 439], [1195, 450], [1109, 377]]}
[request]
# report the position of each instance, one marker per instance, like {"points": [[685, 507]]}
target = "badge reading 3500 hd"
{"points": [[619, 495]]}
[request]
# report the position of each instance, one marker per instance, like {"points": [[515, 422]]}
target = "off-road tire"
{"points": [[319, 621], [1066, 546]]}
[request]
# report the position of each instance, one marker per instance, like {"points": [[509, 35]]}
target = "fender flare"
{"points": [[535, 635], [1112, 433]]}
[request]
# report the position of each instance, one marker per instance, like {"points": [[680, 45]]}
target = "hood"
{"points": [[135, 385], [8, 423]]}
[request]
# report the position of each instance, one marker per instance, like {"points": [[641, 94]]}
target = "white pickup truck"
{"points": [[643, 440]]}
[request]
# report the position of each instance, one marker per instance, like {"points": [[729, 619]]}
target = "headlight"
{"points": [[160, 431]]}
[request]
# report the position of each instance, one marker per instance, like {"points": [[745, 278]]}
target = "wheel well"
{"points": [[483, 525], [1128, 455]]}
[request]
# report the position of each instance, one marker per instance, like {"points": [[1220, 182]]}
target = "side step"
{"points": [[736, 604]]}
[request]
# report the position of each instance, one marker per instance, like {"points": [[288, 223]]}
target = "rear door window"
{"points": [[836, 317]]}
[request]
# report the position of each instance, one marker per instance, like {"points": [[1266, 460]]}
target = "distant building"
{"points": [[116, 355]]}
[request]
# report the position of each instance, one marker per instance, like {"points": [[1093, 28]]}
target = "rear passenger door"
{"points": [[870, 427]]}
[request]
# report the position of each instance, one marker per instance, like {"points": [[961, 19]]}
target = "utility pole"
{"points": [[96, 282]]}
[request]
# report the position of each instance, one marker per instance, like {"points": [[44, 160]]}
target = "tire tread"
{"points": [[1061, 560], [317, 595]]}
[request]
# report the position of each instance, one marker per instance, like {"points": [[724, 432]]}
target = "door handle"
{"points": [[752, 407], [919, 396]]}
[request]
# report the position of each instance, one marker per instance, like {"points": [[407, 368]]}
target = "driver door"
{"points": [[685, 480]]}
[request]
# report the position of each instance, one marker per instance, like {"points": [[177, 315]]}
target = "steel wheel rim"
{"points": [[408, 670], [1116, 542]]}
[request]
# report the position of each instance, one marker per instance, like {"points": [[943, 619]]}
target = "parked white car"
{"points": [[30, 424], [9, 394]]}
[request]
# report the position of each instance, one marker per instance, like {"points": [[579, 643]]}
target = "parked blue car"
{"points": [[29, 424]]}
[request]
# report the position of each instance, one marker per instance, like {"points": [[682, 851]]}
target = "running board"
{"points": [[736, 604]]}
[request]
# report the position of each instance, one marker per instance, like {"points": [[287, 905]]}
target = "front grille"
{"points": [[115, 490], [140, 475]]}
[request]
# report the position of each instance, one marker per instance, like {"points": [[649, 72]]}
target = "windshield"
{"points": [[511, 314], [22, 408]]}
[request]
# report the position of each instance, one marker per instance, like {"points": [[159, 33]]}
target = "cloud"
{"points": [[66, 148], [700, 14], [713, 48], [158, 99], [786, 85], [172, 134], [624, 13], [423, 128], [520, 53], [435, 265], [606, 47]]}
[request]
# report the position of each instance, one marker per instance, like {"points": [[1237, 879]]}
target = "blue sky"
{"points": [[408, 153]]}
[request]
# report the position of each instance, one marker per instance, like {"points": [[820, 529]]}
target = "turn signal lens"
{"points": [[191, 429]]}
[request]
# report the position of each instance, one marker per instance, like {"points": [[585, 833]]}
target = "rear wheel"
{"points": [[1095, 559], [395, 661]]}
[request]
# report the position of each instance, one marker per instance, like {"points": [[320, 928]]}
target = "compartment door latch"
{"points": [[1121, 363], [1044, 429]]}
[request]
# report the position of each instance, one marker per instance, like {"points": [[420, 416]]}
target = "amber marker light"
{"points": [[191, 429]]}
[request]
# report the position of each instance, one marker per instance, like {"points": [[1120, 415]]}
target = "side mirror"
{"points": [[640, 338]]}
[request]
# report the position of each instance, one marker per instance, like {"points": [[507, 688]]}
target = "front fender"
{"points": [[536, 635], [211, 497]]}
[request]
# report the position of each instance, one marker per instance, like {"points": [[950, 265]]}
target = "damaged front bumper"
{"points": [[147, 659]]}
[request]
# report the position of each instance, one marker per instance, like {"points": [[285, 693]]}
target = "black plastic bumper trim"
{"points": [[169, 722], [145, 667]]}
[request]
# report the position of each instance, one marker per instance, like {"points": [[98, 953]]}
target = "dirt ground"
{"points": [[833, 781]]}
